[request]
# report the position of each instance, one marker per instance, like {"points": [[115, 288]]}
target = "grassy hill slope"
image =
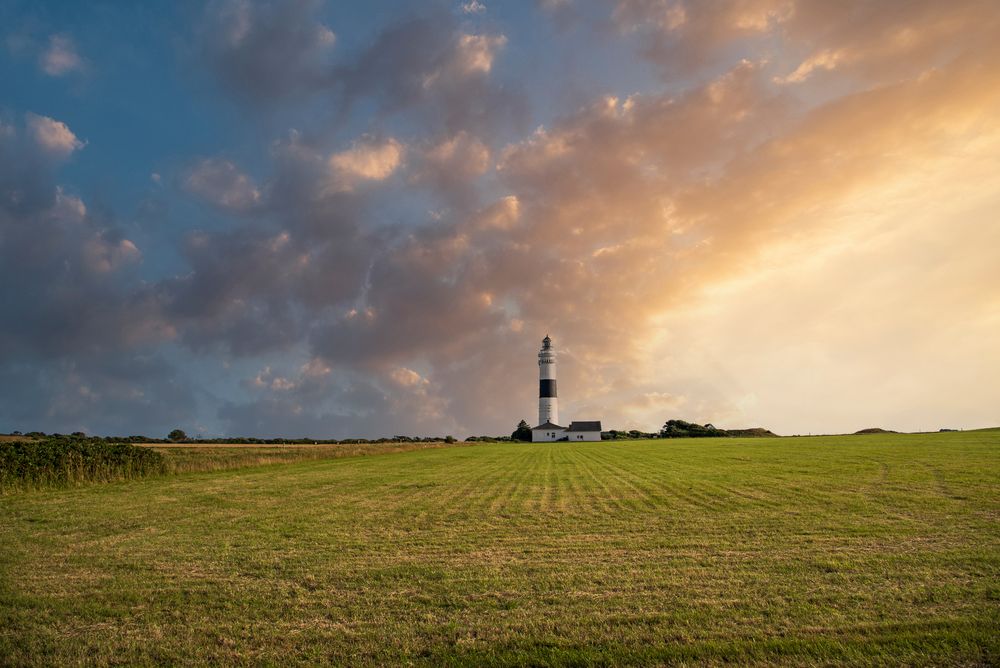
{"points": [[880, 549]]}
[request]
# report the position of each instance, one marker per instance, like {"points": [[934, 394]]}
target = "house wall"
{"points": [[548, 435], [583, 436]]}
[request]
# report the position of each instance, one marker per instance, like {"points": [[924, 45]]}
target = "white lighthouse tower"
{"points": [[548, 401]]}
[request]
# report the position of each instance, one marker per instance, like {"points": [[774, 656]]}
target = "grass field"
{"points": [[854, 550]]}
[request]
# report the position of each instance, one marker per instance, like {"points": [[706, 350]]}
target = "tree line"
{"points": [[522, 433], [179, 436]]}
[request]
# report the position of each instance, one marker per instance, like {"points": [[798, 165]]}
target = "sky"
{"points": [[333, 219]]}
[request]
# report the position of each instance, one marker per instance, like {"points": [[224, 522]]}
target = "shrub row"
{"points": [[60, 462]]}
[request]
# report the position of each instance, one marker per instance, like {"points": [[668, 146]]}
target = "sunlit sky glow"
{"points": [[327, 219]]}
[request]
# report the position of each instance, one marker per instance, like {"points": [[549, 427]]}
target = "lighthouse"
{"points": [[548, 428], [548, 401]]}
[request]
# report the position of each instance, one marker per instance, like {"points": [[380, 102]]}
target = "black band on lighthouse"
{"points": [[546, 388]]}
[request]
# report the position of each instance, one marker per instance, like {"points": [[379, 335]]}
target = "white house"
{"points": [[589, 430], [576, 431], [547, 431]]}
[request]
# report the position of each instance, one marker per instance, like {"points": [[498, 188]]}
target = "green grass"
{"points": [[853, 550]]}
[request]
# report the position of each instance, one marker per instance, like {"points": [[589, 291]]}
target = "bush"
{"points": [[682, 429], [631, 435], [59, 462]]}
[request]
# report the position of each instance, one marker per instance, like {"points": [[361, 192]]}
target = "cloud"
{"points": [[450, 166], [406, 377], [267, 379], [427, 65], [431, 68], [339, 406], [52, 136], [264, 52], [823, 60], [461, 154], [884, 40], [503, 214], [683, 38], [475, 53], [367, 160], [866, 38], [473, 7], [61, 57], [235, 297], [102, 255], [256, 288], [81, 353], [124, 394], [552, 5], [220, 182]]}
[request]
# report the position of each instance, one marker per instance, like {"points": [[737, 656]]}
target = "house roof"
{"points": [[548, 425], [591, 425]]}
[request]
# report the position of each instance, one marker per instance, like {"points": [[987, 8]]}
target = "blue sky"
{"points": [[332, 219]]}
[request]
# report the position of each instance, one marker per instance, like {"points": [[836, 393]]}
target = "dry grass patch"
{"points": [[189, 458]]}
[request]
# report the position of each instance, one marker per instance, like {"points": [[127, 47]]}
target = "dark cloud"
{"points": [[302, 248], [221, 183], [451, 167], [121, 394], [238, 293], [264, 52], [61, 266], [318, 401], [77, 350], [430, 65], [427, 65]]}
